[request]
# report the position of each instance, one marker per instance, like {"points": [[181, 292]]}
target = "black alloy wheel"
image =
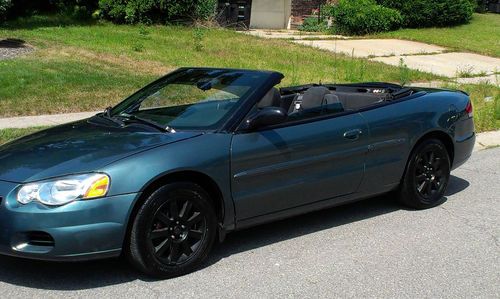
{"points": [[430, 177], [177, 229], [426, 176], [173, 231]]}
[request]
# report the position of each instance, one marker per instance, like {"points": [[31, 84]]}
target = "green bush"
{"points": [[312, 24], [429, 13], [482, 6], [72, 8], [113, 10], [149, 11], [205, 9], [78, 9], [119, 11], [363, 17], [4, 6]]}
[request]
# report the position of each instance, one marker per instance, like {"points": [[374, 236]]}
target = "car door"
{"points": [[391, 128], [297, 164]]}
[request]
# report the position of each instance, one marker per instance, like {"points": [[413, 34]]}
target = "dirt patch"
{"points": [[10, 48]]}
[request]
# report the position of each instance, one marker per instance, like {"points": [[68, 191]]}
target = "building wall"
{"points": [[277, 14], [305, 7], [270, 14]]}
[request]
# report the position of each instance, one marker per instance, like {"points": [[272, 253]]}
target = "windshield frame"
{"points": [[269, 79]]}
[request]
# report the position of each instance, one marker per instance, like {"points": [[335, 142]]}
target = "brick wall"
{"points": [[302, 8]]}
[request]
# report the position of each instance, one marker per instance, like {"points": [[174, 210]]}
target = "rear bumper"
{"points": [[463, 150], [81, 230]]}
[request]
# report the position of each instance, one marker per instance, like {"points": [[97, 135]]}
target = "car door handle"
{"points": [[353, 134]]}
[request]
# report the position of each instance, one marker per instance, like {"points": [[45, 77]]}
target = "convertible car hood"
{"points": [[76, 147]]}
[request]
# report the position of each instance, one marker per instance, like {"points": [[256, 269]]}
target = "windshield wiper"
{"points": [[107, 115], [107, 111], [148, 122]]}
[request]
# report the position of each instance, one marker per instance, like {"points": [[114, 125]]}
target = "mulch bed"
{"points": [[10, 48]]}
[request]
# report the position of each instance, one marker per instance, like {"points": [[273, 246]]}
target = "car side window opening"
{"points": [[320, 100]]}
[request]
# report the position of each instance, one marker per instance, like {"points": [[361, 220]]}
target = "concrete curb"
{"points": [[486, 140]]}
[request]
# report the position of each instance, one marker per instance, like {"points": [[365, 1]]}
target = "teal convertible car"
{"points": [[202, 152]]}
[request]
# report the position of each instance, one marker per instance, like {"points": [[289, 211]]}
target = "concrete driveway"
{"points": [[366, 48], [373, 248], [416, 55], [461, 67], [449, 64]]}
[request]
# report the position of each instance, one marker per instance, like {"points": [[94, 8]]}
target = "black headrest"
{"points": [[313, 97], [271, 99], [331, 99]]}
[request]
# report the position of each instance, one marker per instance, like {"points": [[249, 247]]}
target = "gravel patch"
{"points": [[10, 48]]}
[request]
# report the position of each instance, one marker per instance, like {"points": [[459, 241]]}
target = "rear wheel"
{"points": [[426, 176], [173, 231]]}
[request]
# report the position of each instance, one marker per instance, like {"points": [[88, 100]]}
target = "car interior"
{"points": [[310, 101]]}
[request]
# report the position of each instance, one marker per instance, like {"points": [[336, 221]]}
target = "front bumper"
{"points": [[80, 230]]}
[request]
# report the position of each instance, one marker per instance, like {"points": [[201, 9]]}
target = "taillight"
{"points": [[468, 109]]}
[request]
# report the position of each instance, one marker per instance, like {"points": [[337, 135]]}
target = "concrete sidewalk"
{"points": [[459, 67], [462, 67], [366, 48], [453, 64], [42, 120]]}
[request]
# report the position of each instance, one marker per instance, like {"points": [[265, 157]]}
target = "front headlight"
{"points": [[63, 190]]}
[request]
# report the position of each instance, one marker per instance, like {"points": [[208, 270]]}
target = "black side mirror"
{"points": [[266, 116]]}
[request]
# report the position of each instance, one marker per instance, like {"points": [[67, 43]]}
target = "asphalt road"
{"points": [[372, 248]]}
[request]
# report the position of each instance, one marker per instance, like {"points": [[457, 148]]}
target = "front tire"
{"points": [[173, 231], [427, 176]]}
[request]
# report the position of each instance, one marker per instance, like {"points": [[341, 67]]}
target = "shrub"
{"points": [[312, 24], [364, 17], [482, 6], [78, 9], [71, 8], [429, 13], [113, 10], [4, 6], [205, 9], [147, 11]]}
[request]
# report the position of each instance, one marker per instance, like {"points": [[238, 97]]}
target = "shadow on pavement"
{"points": [[456, 185], [93, 274]]}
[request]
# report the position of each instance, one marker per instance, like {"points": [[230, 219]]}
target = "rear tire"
{"points": [[173, 231], [426, 176]]}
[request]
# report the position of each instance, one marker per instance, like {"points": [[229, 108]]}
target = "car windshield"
{"points": [[191, 99]]}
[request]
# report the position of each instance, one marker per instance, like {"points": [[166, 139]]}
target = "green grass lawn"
{"points": [[87, 67], [486, 103], [481, 35], [11, 134]]}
